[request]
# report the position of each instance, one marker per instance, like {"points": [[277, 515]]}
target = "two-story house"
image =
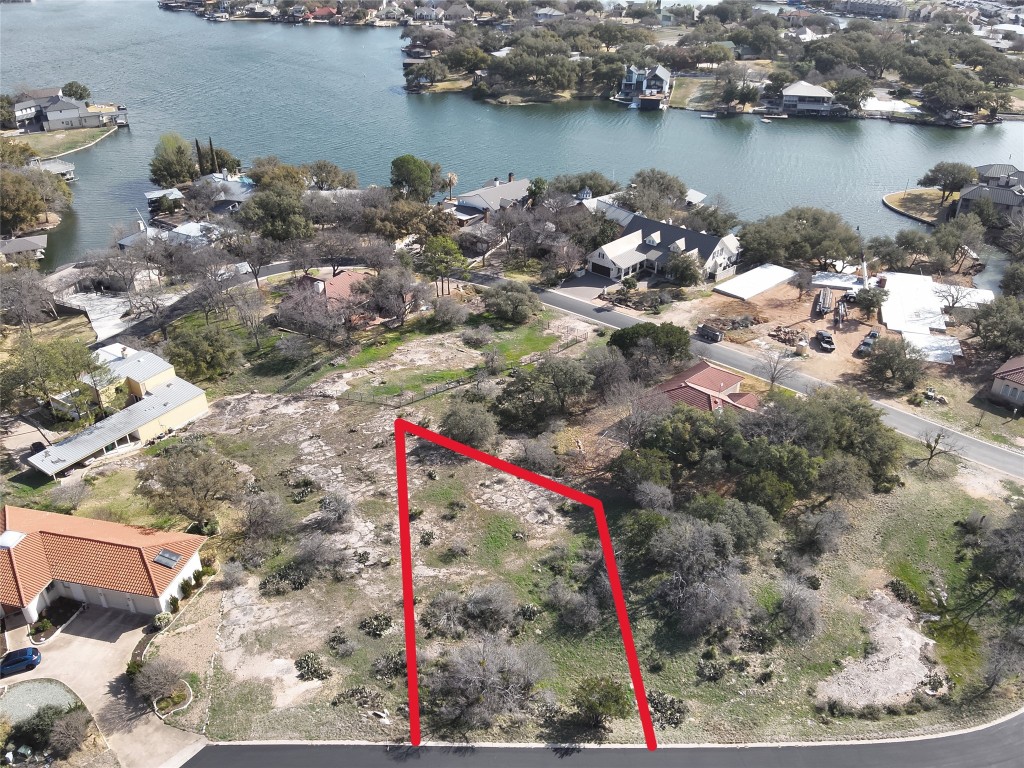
{"points": [[495, 196], [645, 82], [802, 98], [647, 245], [1001, 183]]}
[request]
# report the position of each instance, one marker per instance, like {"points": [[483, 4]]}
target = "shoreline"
{"points": [[92, 143], [888, 202]]}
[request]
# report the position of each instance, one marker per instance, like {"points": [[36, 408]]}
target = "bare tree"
{"points": [[335, 514], [939, 442], [250, 306], [156, 679], [776, 366], [200, 198], [953, 296], [801, 281], [479, 682], [69, 731], [122, 268], [263, 517], [647, 410], [24, 299]]}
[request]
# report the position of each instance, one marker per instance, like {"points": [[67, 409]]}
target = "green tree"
{"points": [[15, 153], [633, 467], [511, 301], [276, 213], [600, 699], [683, 268], [538, 187], [75, 90], [572, 183], [415, 178], [431, 71], [1000, 325], [656, 193], [269, 173], [895, 362], [568, 377], [325, 175], [852, 91], [671, 340], [440, 257], [870, 300], [802, 236], [203, 352], [41, 369], [21, 205], [189, 480], [949, 177], [469, 423], [172, 162], [959, 236]]}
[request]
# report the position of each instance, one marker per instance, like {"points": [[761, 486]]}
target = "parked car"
{"points": [[867, 346], [850, 297], [825, 341], [37, 447], [873, 334], [24, 660]]}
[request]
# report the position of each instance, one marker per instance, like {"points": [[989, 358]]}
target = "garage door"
{"points": [[597, 269], [118, 600]]}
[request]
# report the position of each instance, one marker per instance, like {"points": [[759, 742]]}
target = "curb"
{"points": [[179, 708], [59, 629]]}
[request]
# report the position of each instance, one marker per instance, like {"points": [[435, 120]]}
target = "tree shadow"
{"points": [[124, 709]]}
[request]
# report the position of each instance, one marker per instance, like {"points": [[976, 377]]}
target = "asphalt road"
{"points": [[908, 424], [998, 746]]}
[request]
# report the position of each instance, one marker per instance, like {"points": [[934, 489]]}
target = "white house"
{"points": [[802, 98], [647, 245], [44, 556], [479, 204]]}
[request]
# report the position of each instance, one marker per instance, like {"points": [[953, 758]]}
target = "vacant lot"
{"points": [[59, 142]]}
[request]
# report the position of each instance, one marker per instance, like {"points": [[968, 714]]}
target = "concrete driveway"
{"points": [[587, 287], [90, 657]]}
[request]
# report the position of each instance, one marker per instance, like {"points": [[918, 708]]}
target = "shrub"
{"points": [[577, 612], [234, 574], [186, 588], [197, 578], [133, 668], [666, 711], [448, 313], [376, 625], [161, 620], [69, 731], [339, 644], [426, 538], [389, 665], [599, 699], [43, 625], [455, 552], [711, 670], [478, 337], [445, 615], [311, 667], [274, 585], [335, 514], [903, 592], [208, 560], [361, 696], [36, 730]]}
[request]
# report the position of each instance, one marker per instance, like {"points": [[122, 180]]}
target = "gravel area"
{"points": [[190, 643], [22, 700]]}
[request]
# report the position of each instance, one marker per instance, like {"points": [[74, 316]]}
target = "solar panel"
{"points": [[167, 558]]}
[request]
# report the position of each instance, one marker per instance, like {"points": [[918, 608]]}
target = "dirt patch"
{"points": [[896, 667]]}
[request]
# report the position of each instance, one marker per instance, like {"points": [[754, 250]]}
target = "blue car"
{"points": [[24, 660]]}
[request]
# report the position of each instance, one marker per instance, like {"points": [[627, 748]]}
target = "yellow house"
{"points": [[159, 402]]}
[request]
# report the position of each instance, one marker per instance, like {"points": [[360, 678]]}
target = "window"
{"points": [[1013, 393], [1006, 390], [167, 558]]}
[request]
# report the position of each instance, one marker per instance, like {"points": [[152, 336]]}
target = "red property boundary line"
{"points": [[402, 428]]}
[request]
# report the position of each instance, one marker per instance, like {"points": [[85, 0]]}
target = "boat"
{"points": [[709, 116], [765, 120], [633, 105], [777, 117]]}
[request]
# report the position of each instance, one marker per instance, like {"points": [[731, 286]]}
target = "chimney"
{"points": [[487, 217], [1004, 181], [511, 177], [124, 352]]}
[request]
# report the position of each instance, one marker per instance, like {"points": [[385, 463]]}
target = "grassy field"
{"points": [[683, 88], [58, 142], [68, 327]]}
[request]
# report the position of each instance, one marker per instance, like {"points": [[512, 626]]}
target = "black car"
{"points": [[867, 346], [825, 341]]}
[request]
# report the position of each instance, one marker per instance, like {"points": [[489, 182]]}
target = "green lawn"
{"points": [[59, 142]]}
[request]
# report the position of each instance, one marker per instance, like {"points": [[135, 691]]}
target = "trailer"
{"points": [[825, 301], [710, 333]]}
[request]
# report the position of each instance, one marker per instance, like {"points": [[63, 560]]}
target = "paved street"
{"points": [[998, 746], [909, 424]]}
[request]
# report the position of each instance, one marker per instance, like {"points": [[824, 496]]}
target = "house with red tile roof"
{"points": [[1008, 383], [44, 555], [341, 287], [709, 388]]}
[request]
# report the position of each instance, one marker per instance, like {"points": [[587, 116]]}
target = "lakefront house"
{"points": [[49, 109], [647, 245], [802, 98]]}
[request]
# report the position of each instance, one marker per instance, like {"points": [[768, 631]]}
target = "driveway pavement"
{"points": [[90, 657], [587, 287]]}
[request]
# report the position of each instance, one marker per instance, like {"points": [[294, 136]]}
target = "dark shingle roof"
{"points": [[705, 244]]}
